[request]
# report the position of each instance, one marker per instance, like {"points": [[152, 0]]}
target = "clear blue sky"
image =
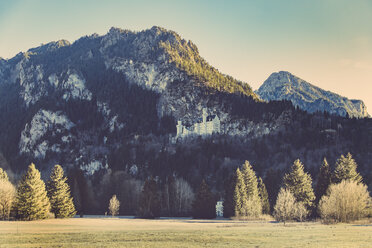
{"points": [[326, 42]]}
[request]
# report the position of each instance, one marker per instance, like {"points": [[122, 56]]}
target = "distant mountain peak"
{"points": [[51, 46], [283, 85]]}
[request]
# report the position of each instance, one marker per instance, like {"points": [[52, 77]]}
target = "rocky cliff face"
{"points": [[74, 104], [284, 85]]}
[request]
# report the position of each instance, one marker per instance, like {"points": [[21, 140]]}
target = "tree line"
{"points": [[338, 196]]}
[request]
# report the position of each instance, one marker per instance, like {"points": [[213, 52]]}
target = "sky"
{"points": [[325, 42]]}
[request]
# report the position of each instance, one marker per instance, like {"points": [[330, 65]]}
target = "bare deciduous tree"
{"points": [[300, 211], [344, 202], [7, 196], [285, 203], [114, 205], [286, 207], [184, 195]]}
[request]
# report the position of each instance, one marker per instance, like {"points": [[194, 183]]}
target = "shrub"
{"points": [[286, 207], [345, 202]]}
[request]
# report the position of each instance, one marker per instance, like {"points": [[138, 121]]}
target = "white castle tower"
{"points": [[206, 126], [204, 123], [179, 128]]}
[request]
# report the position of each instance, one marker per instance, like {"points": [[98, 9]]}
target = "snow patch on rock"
{"points": [[41, 150], [133, 170], [248, 128], [104, 108], [66, 139], [41, 123], [53, 80], [75, 88], [114, 123], [92, 167], [31, 82], [151, 76]]}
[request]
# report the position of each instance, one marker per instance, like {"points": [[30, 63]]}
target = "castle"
{"points": [[204, 126]]}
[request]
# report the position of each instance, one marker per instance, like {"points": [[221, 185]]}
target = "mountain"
{"points": [[76, 103], [105, 107], [284, 85]]}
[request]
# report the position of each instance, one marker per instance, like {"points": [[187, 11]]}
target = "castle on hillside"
{"points": [[206, 125]]}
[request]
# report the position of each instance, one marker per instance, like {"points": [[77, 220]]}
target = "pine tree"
{"points": [[75, 192], [149, 205], [299, 183], [32, 202], [324, 180], [3, 175], [81, 191], [263, 196], [240, 195], [273, 180], [254, 207], [346, 170], [59, 194], [204, 205]]}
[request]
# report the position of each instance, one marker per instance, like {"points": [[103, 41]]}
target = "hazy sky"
{"points": [[326, 42]]}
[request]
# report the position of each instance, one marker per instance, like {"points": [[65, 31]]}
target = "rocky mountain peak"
{"points": [[115, 85], [283, 85], [49, 47]]}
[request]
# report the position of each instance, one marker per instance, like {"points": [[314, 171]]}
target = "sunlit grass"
{"points": [[181, 233]]}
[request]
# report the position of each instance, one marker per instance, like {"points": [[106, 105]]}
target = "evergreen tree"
{"points": [[204, 205], [3, 174], [272, 182], [149, 205], [346, 170], [240, 195], [228, 203], [32, 202], [75, 192], [324, 180], [263, 196], [59, 194], [81, 191], [254, 207], [299, 183]]}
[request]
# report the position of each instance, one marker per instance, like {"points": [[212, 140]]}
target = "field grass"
{"points": [[110, 232]]}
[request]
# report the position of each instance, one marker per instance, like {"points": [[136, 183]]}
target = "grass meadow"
{"points": [[115, 232]]}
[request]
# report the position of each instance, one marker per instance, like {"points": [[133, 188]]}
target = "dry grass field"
{"points": [[114, 232]]}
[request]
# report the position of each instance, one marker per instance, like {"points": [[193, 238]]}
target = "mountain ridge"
{"points": [[284, 85], [119, 84]]}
